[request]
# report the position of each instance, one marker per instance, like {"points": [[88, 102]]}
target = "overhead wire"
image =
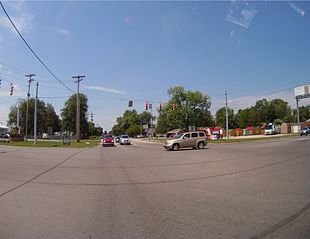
{"points": [[12, 69], [33, 52]]}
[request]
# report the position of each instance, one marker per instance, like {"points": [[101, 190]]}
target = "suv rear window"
{"points": [[201, 134]]}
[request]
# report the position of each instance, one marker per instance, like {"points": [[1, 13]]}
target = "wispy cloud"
{"points": [[23, 21], [64, 32], [100, 88]]}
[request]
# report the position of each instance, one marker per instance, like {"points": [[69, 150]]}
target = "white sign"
{"points": [[302, 92]]}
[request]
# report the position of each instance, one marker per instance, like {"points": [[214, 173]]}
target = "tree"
{"points": [[304, 113], [220, 118], [128, 121], [51, 119], [262, 109], [46, 116], [184, 109], [68, 114], [145, 118], [279, 109], [133, 130], [131, 122]]}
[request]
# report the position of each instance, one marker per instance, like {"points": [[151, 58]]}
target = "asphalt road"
{"points": [[245, 190]]}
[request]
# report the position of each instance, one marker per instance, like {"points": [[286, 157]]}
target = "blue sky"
{"points": [[137, 50]]}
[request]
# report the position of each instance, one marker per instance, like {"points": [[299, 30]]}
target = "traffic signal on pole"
{"points": [[11, 89], [130, 103], [160, 106], [174, 106], [147, 105]]}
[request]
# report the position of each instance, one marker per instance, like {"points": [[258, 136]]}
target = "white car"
{"points": [[124, 139]]}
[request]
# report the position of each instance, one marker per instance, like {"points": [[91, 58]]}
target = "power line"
{"points": [[13, 69], [7, 15]]}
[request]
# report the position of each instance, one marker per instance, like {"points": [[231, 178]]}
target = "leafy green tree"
{"points": [[46, 116], [51, 119], [130, 118], [220, 118], [131, 122], [133, 130], [191, 109], [145, 118], [68, 114], [116, 130], [262, 110], [279, 109], [304, 113], [247, 117]]}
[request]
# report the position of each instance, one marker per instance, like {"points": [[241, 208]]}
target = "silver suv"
{"points": [[197, 139]]}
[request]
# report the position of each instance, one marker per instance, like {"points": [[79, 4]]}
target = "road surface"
{"points": [[245, 190]]}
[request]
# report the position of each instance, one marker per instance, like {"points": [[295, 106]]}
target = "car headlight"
{"points": [[169, 142]]}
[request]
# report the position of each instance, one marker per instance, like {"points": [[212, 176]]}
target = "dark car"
{"points": [[107, 140], [117, 138], [305, 131]]}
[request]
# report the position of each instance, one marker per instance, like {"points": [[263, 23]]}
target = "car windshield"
{"points": [[104, 101]]}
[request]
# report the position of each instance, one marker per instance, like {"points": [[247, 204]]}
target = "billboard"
{"points": [[302, 92]]}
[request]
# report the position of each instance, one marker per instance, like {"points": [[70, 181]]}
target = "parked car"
{"points": [[305, 131], [197, 139], [124, 139], [107, 140]]}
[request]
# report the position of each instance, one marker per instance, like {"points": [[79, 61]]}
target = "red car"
{"points": [[107, 140]]}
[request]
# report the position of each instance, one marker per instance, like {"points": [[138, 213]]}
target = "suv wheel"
{"points": [[175, 147], [201, 145]]}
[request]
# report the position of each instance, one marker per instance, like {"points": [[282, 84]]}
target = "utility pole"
{"points": [[35, 117], [298, 120], [227, 133], [93, 125], [17, 120], [28, 95], [78, 117]]}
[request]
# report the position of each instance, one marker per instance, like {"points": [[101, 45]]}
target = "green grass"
{"points": [[58, 144]]}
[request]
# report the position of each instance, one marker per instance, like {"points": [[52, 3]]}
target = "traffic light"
{"points": [[0, 82], [11, 89], [147, 105], [160, 106], [130, 103], [174, 106]]}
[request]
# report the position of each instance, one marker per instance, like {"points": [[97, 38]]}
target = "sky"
{"points": [[137, 50]]}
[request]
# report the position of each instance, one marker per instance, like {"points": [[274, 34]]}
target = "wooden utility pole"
{"points": [[28, 95], [35, 116], [78, 117]]}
